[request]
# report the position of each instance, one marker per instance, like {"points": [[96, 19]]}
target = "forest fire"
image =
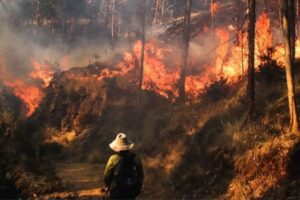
{"points": [[160, 75], [230, 62], [205, 91]]}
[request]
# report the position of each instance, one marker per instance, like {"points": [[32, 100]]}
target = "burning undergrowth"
{"points": [[215, 55]]}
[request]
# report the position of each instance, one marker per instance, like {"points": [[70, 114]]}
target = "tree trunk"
{"points": [[251, 46], [155, 16], [212, 13], [288, 27], [266, 6], [37, 16], [107, 13], [141, 66], [64, 23], [297, 7], [119, 26], [113, 24], [186, 39], [163, 8]]}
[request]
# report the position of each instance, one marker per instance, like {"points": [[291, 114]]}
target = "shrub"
{"points": [[270, 71], [216, 91]]}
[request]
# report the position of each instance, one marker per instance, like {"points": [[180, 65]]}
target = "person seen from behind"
{"points": [[123, 174]]}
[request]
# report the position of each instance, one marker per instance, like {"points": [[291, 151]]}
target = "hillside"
{"points": [[203, 150], [199, 150]]}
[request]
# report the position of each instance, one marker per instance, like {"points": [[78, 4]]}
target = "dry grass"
{"points": [[261, 168], [63, 138], [168, 162]]}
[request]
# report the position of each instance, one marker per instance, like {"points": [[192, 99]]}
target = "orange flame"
{"points": [[264, 35], [232, 61], [28, 92], [30, 95], [44, 72], [157, 76]]}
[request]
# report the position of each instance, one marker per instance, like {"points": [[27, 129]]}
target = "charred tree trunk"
{"points": [[141, 65], [186, 40], [251, 58], [287, 15]]}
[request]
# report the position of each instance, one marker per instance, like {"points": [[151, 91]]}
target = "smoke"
{"points": [[84, 33], [30, 54], [20, 43], [14, 51], [21, 40]]}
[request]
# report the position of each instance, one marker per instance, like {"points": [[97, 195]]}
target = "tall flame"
{"points": [[157, 76], [229, 62]]}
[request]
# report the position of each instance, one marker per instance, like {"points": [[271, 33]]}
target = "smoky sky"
{"points": [[20, 43], [21, 39]]}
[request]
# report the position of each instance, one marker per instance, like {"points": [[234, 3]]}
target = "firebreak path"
{"points": [[82, 180]]}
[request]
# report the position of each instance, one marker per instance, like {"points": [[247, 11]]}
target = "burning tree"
{"points": [[143, 39], [186, 39]]}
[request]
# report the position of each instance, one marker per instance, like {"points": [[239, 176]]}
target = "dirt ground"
{"points": [[82, 180]]}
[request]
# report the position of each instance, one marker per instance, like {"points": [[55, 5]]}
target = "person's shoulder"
{"points": [[114, 158]]}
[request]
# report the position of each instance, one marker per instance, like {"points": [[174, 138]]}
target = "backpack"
{"points": [[126, 176]]}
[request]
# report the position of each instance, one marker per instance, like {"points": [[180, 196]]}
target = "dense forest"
{"points": [[208, 90]]}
